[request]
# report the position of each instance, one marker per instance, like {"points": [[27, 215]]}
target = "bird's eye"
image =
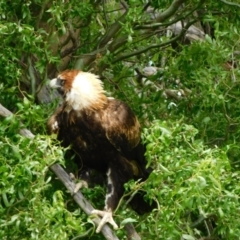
{"points": [[61, 82]]}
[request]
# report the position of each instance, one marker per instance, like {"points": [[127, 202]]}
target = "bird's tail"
{"points": [[139, 205], [141, 161], [138, 202]]}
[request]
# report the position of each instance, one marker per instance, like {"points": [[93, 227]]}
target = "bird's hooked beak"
{"points": [[57, 83], [54, 83]]}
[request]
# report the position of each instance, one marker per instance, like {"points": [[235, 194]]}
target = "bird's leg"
{"points": [[111, 202], [119, 172]]}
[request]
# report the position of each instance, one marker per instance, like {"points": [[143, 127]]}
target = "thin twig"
{"points": [[231, 3], [135, 53], [170, 11], [32, 75], [105, 14]]}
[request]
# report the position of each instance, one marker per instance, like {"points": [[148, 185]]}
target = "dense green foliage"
{"points": [[189, 111]]}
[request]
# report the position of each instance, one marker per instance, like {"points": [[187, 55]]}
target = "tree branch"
{"points": [[6, 113], [40, 15], [132, 234], [73, 37], [155, 24], [106, 44], [231, 3], [32, 76], [87, 59], [128, 55], [113, 30], [170, 11], [105, 14]]}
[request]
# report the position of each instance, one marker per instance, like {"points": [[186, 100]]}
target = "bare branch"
{"points": [[6, 113], [231, 3], [87, 59], [128, 55], [132, 234], [112, 43], [73, 37], [113, 30], [105, 14], [32, 76], [146, 6], [156, 24], [124, 4], [40, 15], [170, 11]]}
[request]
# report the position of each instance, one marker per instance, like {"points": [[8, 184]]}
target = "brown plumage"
{"points": [[105, 134]]}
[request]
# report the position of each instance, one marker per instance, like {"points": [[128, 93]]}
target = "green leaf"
{"points": [[188, 237], [128, 220]]}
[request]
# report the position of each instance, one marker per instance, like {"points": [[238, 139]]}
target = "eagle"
{"points": [[105, 135]]}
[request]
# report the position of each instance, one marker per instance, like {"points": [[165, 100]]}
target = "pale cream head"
{"points": [[80, 89]]}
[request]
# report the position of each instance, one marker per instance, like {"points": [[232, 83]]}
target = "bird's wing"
{"points": [[52, 124], [121, 125]]}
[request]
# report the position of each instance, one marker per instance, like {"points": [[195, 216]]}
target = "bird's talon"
{"points": [[72, 177], [78, 185], [106, 218]]}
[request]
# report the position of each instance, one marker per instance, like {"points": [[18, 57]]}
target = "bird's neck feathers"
{"points": [[86, 93]]}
